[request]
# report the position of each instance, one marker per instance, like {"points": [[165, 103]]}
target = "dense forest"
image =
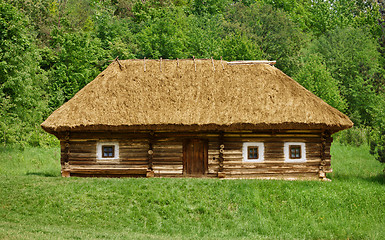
{"points": [[50, 49]]}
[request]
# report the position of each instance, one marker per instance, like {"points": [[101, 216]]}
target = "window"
{"points": [[253, 151], [295, 152], [107, 151]]}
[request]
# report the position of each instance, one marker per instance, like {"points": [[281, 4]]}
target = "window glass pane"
{"points": [[252, 152], [295, 151], [108, 151]]}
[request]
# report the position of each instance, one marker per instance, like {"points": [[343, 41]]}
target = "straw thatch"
{"points": [[193, 95]]}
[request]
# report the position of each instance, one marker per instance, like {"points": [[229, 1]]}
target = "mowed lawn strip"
{"points": [[33, 205]]}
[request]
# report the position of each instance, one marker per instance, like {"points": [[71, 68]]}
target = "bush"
{"points": [[377, 144], [355, 136]]}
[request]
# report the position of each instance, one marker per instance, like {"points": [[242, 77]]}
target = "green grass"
{"points": [[36, 204], [30, 161]]}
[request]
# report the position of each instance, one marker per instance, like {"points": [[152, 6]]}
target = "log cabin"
{"points": [[195, 118]]}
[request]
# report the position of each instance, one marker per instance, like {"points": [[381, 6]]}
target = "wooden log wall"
{"points": [[167, 154], [274, 165], [168, 158]]}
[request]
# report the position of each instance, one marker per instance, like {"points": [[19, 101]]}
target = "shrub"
{"points": [[377, 144], [355, 136]]}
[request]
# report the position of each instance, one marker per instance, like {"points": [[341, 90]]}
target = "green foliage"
{"points": [[235, 47], [22, 82], [377, 144], [354, 136], [314, 76], [204, 36], [270, 30], [78, 59], [164, 36], [49, 49], [209, 7], [352, 58]]}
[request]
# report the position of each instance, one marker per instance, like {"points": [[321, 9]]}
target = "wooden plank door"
{"points": [[195, 157]]}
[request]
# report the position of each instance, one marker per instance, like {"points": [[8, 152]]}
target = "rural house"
{"points": [[197, 118]]}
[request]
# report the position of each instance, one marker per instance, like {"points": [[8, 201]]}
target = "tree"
{"points": [[21, 79], [238, 47], [204, 35], [78, 59], [352, 58], [270, 29], [314, 76], [164, 36]]}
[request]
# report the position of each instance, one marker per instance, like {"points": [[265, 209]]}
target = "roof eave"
{"points": [[196, 127]]}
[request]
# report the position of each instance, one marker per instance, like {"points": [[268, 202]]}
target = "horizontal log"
{"points": [[166, 142], [287, 135], [71, 162], [186, 134], [211, 161], [118, 163], [168, 175], [165, 151], [302, 176], [75, 146], [274, 155], [139, 159], [167, 159], [167, 163], [108, 166], [213, 171], [168, 167], [81, 155], [169, 154], [91, 151], [272, 139], [167, 146], [267, 171], [270, 165], [82, 159], [133, 148], [161, 172], [133, 155], [108, 135], [109, 171]]}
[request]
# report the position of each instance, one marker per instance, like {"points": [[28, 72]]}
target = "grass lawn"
{"points": [[36, 203]]}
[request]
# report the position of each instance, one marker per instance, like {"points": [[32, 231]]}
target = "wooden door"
{"points": [[195, 157]]}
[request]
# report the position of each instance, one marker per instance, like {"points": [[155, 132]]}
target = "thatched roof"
{"points": [[192, 95]]}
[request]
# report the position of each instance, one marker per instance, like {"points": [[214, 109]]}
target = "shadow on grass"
{"points": [[379, 178], [42, 174]]}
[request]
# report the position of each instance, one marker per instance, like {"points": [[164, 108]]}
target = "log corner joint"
{"points": [[150, 153], [221, 174]]}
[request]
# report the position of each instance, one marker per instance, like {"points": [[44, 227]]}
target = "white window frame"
{"points": [[99, 151], [261, 151], [286, 150]]}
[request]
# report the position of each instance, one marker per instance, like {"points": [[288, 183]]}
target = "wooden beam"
{"points": [[150, 151], [120, 65], [251, 62]]}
